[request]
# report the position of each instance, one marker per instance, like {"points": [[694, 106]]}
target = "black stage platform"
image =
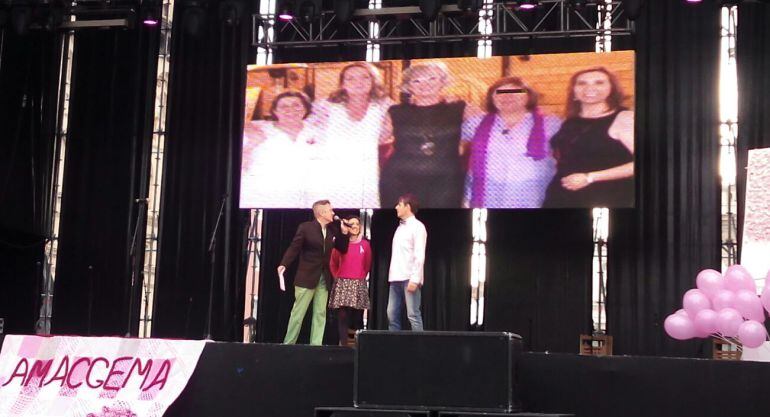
{"points": [[262, 380]]}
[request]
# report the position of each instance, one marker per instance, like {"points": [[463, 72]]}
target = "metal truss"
{"points": [[555, 18]]}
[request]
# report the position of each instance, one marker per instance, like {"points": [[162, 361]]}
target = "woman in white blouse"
{"points": [[351, 119], [276, 155]]}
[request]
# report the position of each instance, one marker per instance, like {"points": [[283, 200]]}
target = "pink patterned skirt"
{"points": [[349, 293]]}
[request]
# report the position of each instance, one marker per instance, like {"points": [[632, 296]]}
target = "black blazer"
{"points": [[314, 253]]}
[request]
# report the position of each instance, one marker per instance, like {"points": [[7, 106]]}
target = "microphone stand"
{"points": [[213, 263], [142, 203]]}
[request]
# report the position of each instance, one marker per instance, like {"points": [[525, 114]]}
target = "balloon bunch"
{"points": [[724, 306]]}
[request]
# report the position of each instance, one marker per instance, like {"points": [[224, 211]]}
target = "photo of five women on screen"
{"points": [[360, 149]]}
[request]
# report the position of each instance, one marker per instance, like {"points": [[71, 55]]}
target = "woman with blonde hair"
{"points": [[351, 119], [425, 133], [510, 162], [594, 148]]}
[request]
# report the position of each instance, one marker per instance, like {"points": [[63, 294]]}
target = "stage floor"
{"points": [[270, 380]]}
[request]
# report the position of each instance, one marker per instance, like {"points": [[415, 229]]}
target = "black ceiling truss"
{"points": [[553, 18]]}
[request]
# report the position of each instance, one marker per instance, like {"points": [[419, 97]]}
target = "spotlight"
{"points": [[309, 11], [577, 4], [430, 9], [694, 1], [633, 8], [343, 10], [193, 18], [20, 19], [51, 20], [469, 6], [3, 18], [528, 4], [230, 13], [286, 11], [150, 17]]}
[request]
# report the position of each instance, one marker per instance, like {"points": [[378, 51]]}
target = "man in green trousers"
{"points": [[313, 243]]}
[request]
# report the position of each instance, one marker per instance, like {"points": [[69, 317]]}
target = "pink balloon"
{"points": [[723, 299], [747, 303], [739, 278], [706, 322], [679, 327], [752, 334], [710, 281], [728, 322], [738, 267], [694, 301], [681, 312]]}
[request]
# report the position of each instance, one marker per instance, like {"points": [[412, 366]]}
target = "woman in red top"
{"points": [[349, 270]]}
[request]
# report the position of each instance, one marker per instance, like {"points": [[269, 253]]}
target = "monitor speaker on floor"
{"points": [[436, 370]]}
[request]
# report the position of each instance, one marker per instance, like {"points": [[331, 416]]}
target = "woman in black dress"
{"points": [[425, 133], [594, 148]]}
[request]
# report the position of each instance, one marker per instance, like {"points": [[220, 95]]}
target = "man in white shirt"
{"points": [[406, 266]]}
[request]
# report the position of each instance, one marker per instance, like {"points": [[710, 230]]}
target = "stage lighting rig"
{"points": [[435, 21]]}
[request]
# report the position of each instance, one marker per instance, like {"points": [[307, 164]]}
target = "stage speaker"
{"points": [[359, 412], [436, 370]]}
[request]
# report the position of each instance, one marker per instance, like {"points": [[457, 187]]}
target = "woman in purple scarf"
{"points": [[510, 162]]}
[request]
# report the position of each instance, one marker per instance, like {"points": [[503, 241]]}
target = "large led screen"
{"points": [[532, 131]]}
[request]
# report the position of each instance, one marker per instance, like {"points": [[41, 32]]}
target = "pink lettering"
{"points": [[99, 382], [75, 364], [142, 371], [161, 377], [116, 373], [40, 370], [18, 372], [59, 375]]}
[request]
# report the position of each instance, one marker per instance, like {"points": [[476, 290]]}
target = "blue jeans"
{"points": [[398, 295]]}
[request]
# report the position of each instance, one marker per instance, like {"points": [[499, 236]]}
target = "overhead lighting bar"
{"points": [[96, 23], [403, 10]]}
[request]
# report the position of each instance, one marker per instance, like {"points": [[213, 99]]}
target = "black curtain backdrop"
{"points": [[753, 59], [656, 250], [539, 276], [202, 162], [113, 74], [28, 89]]}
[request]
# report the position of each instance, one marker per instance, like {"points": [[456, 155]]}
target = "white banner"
{"points": [[756, 221], [93, 376]]}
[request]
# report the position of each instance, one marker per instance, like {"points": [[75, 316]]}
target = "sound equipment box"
{"points": [[436, 370]]}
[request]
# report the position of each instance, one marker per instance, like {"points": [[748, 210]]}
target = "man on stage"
{"points": [[313, 242], [406, 265]]}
